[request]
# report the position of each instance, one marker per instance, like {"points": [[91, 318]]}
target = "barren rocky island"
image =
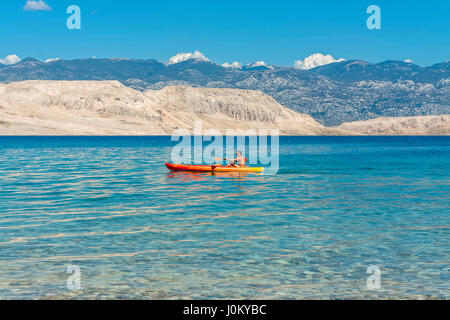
{"points": [[109, 108]]}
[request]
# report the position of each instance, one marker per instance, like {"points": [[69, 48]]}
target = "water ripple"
{"points": [[109, 206]]}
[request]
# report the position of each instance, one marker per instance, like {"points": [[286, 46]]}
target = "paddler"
{"points": [[239, 161]]}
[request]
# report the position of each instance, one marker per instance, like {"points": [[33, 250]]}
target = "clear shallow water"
{"points": [[337, 206]]}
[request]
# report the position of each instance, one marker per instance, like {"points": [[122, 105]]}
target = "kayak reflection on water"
{"points": [[199, 176]]}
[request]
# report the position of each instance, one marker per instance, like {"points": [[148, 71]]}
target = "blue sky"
{"points": [[278, 32]]}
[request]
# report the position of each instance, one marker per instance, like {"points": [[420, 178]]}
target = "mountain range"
{"points": [[350, 90]]}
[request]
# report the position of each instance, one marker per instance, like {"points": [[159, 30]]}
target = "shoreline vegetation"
{"points": [[108, 108]]}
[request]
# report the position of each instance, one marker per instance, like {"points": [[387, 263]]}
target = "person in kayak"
{"points": [[239, 161]]}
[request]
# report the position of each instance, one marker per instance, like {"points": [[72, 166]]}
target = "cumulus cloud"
{"points": [[36, 5], [315, 60], [258, 64], [11, 59], [408, 61], [51, 60], [183, 56], [234, 65]]}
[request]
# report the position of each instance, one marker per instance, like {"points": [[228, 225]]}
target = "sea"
{"points": [[343, 218]]}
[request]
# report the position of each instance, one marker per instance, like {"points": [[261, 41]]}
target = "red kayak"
{"points": [[211, 168]]}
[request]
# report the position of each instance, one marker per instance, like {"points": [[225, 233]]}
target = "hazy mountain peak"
{"points": [[30, 59], [397, 64]]}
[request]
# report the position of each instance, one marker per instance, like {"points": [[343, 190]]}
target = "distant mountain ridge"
{"points": [[420, 125], [340, 92]]}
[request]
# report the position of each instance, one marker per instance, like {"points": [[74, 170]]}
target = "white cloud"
{"points": [[51, 60], [36, 5], [234, 65], [11, 59], [315, 60], [408, 61], [197, 55], [259, 64]]}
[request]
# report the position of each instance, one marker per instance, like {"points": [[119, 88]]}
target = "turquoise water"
{"points": [[337, 206]]}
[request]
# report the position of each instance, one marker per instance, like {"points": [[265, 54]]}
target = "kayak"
{"points": [[211, 168]]}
